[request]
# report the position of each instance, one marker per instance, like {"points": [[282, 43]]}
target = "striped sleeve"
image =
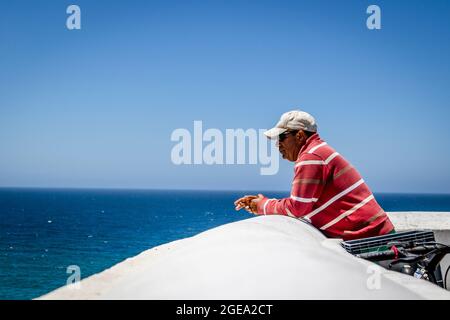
{"points": [[307, 187]]}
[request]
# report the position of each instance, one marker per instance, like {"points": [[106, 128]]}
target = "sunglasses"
{"points": [[283, 136]]}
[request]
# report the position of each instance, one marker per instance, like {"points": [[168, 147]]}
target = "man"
{"points": [[326, 190]]}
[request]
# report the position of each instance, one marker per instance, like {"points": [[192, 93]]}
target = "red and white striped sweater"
{"points": [[329, 191]]}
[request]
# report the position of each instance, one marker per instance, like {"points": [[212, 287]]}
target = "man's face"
{"points": [[290, 143]]}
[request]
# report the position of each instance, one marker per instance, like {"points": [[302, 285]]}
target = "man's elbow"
{"points": [[297, 209]]}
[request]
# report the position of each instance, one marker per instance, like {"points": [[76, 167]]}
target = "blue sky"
{"points": [[96, 107]]}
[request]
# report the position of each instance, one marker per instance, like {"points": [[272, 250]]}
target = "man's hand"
{"points": [[249, 203]]}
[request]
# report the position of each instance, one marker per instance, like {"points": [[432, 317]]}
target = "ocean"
{"points": [[44, 231]]}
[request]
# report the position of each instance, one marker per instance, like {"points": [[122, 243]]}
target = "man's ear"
{"points": [[301, 136]]}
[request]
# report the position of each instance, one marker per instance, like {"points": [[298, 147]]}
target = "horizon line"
{"points": [[192, 189]]}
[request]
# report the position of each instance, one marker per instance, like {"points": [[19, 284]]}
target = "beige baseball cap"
{"points": [[292, 120]]}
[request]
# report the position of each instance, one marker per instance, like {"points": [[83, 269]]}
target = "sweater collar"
{"points": [[309, 141]]}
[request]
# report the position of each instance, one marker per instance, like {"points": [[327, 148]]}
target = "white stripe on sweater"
{"points": [[334, 155], [317, 147], [308, 162], [319, 162], [289, 213], [336, 197], [347, 213], [306, 200], [265, 204]]}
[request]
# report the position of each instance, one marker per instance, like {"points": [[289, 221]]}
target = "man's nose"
{"points": [[277, 144]]}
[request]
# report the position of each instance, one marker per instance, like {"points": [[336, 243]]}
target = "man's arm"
{"points": [[307, 186]]}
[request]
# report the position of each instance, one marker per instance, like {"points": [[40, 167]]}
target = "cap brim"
{"points": [[274, 133]]}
